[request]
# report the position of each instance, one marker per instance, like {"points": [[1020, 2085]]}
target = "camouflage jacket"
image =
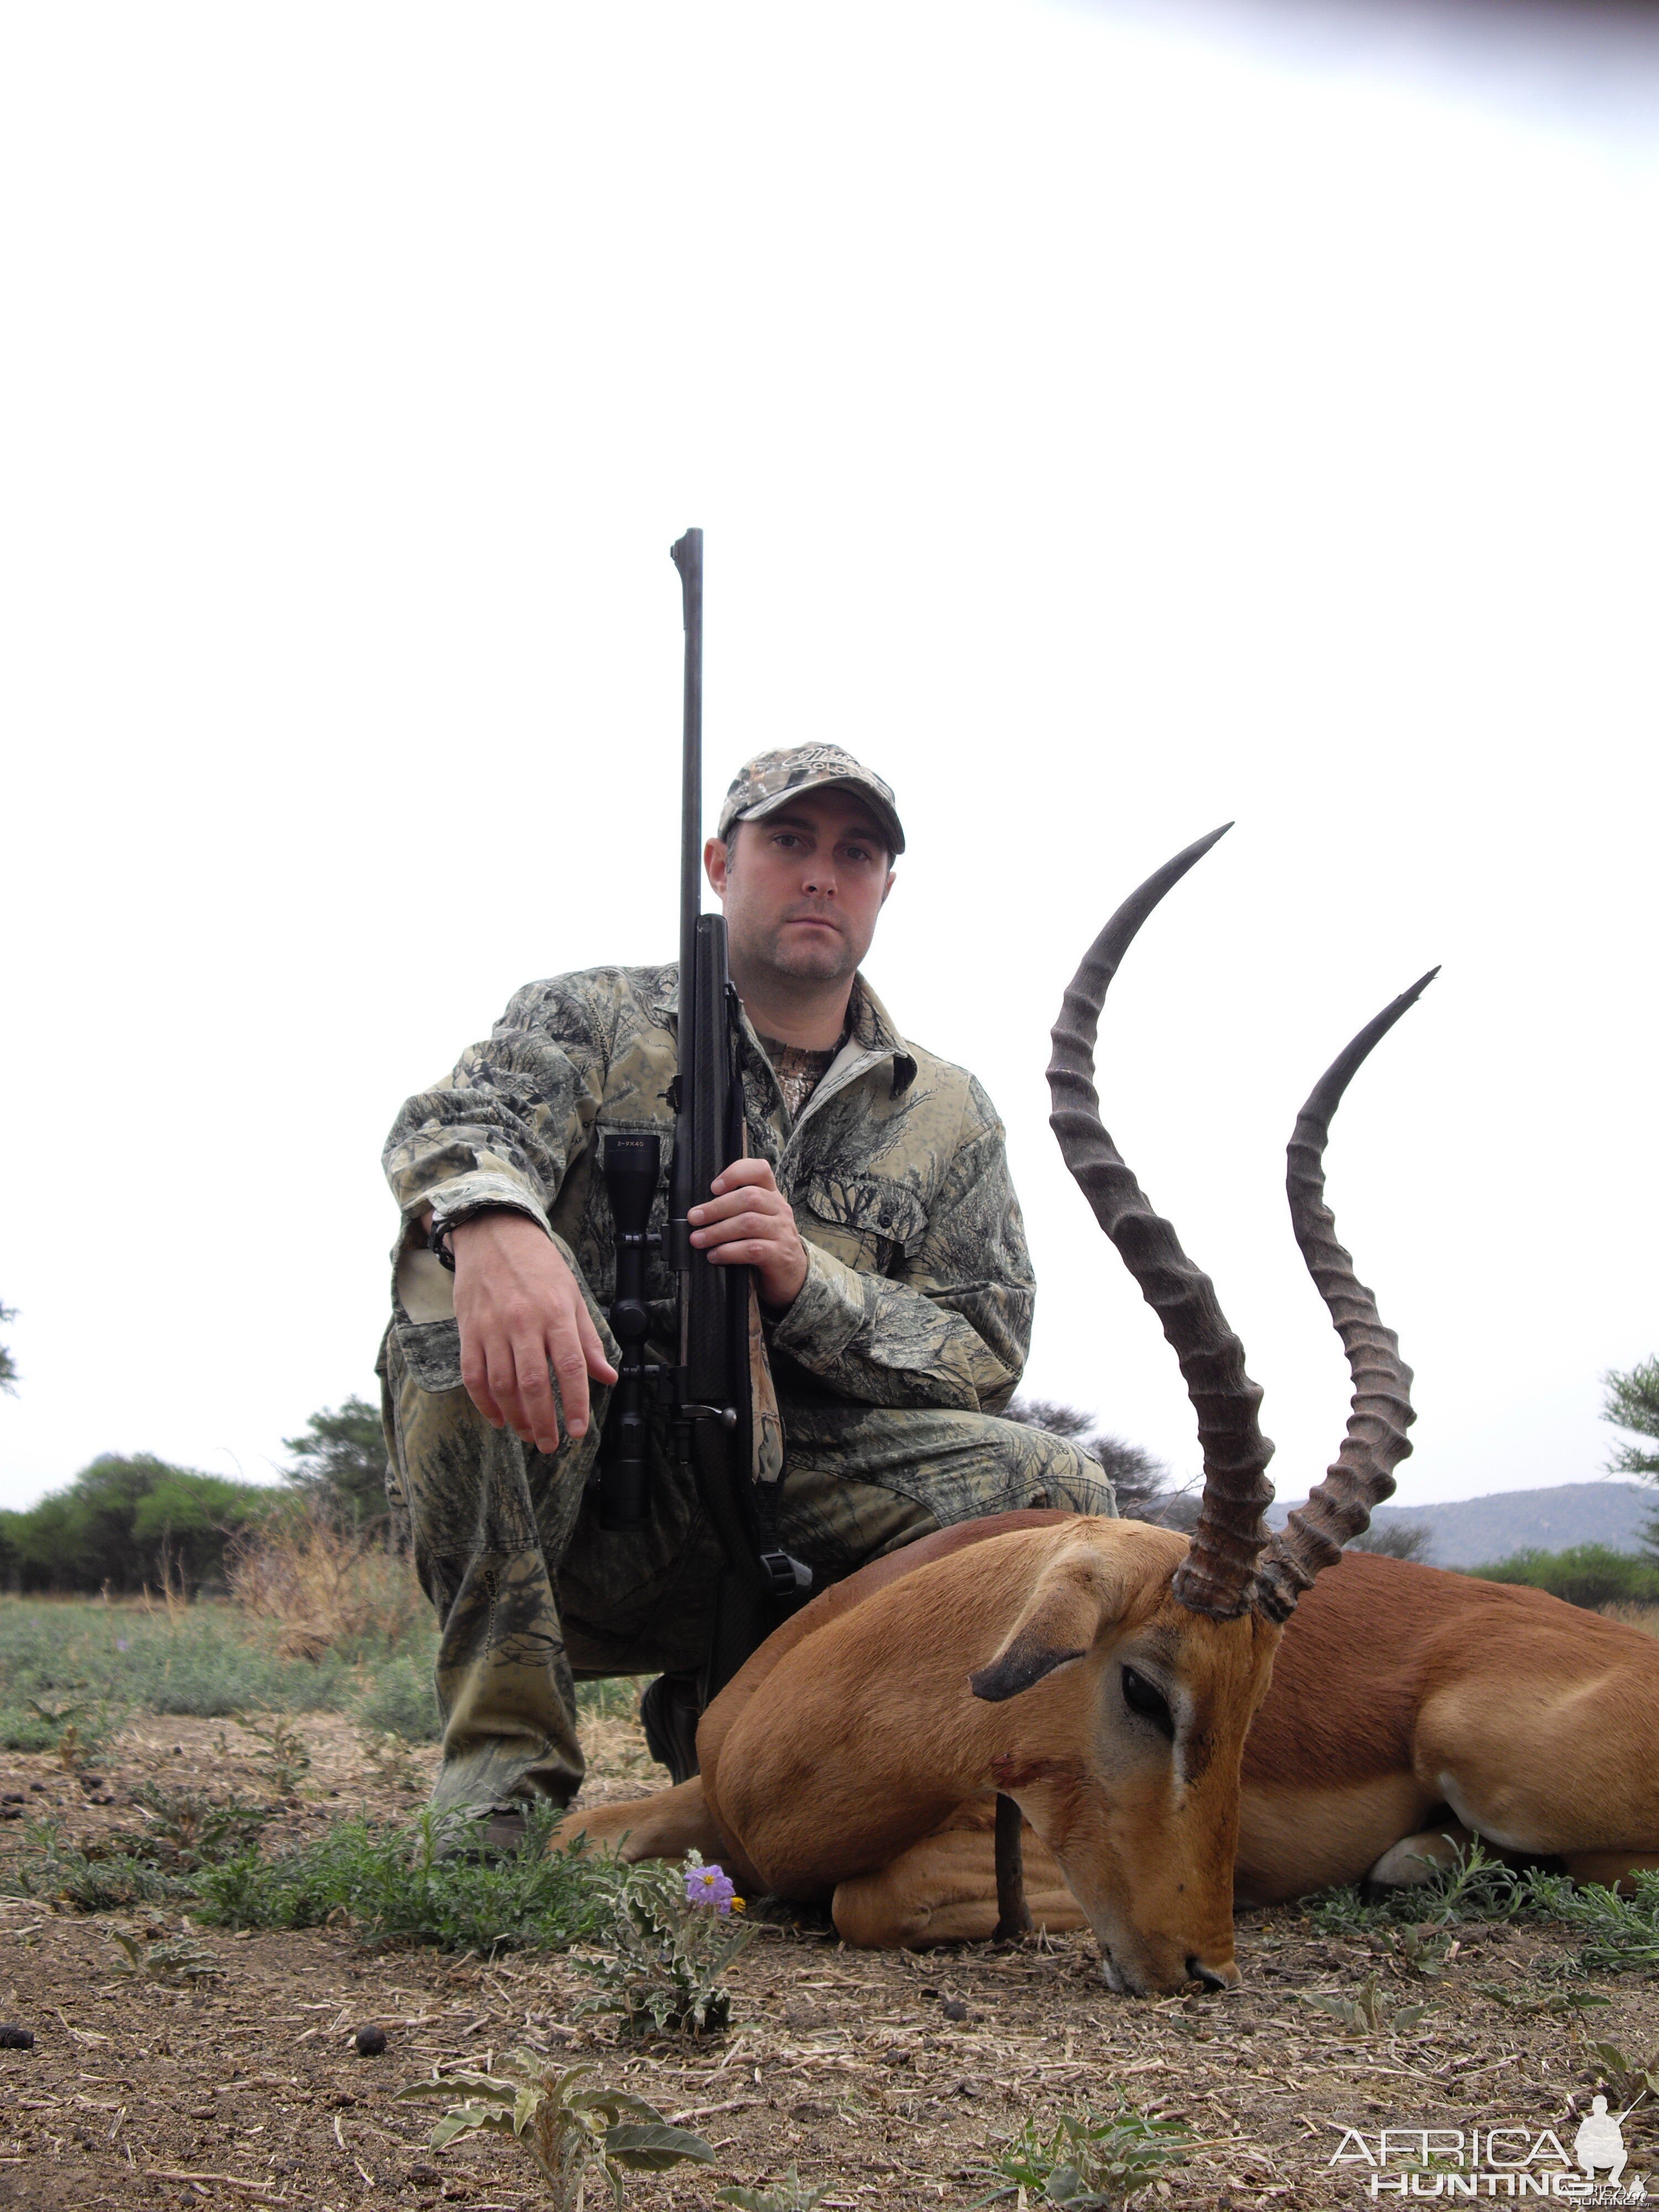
{"points": [[918, 1288]]}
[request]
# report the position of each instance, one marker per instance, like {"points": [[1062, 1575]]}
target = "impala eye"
{"points": [[1150, 1704]]}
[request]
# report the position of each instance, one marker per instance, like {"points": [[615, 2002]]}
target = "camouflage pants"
{"points": [[532, 1594]]}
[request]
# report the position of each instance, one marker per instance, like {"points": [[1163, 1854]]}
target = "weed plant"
{"points": [[575, 2129], [151, 1957], [1369, 2013], [1620, 1935], [1084, 2159], [392, 1765], [400, 1888], [111, 1877], [185, 1831], [792, 2194], [188, 1830], [284, 1759], [670, 1937]]}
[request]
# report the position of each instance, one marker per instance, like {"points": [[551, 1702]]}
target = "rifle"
{"points": [[709, 1395]]}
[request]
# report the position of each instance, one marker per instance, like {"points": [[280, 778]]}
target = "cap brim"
{"points": [[878, 806]]}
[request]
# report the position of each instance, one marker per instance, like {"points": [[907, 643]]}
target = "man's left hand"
{"points": [[747, 1223]]}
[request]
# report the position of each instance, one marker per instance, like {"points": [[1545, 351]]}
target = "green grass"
{"points": [[615, 1698], [81, 1665], [394, 1889], [46, 1868], [391, 1886], [400, 1702], [80, 1661], [184, 1833], [1618, 1934]]}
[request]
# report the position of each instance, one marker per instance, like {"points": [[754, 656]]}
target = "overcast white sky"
{"points": [[1106, 419]]}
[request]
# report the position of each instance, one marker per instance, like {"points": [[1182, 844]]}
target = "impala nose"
{"points": [[1200, 1972]]}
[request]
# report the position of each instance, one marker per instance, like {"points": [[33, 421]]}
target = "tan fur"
{"points": [[853, 1737], [850, 1762]]}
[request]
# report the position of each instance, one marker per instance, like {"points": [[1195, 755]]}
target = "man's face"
{"points": [[802, 887]]}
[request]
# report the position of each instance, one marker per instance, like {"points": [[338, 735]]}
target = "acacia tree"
{"points": [[8, 1365], [1142, 1483], [1632, 1403], [339, 1459]]}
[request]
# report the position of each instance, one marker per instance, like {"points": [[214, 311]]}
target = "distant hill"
{"points": [[1472, 1532]]}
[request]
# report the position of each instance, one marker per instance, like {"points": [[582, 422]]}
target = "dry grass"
{"points": [[323, 1585], [1644, 1617]]}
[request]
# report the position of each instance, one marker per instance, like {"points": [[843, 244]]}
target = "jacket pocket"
{"points": [[431, 1352], [870, 1222]]}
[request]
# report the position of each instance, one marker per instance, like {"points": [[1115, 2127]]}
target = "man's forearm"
{"points": [[885, 1343]]}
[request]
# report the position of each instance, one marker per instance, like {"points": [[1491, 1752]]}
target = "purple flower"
{"points": [[709, 1885], [121, 1643]]}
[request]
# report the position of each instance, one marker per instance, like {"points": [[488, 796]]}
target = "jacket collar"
{"points": [[874, 1035]]}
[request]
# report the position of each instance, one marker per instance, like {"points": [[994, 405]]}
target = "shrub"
{"points": [[401, 1703], [1587, 1574], [1620, 1935], [327, 1587], [126, 1522]]}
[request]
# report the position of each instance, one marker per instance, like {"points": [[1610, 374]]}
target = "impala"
{"points": [[1167, 1726]]}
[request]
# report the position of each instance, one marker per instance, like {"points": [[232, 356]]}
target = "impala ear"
{"points": [[1075, 1594]]}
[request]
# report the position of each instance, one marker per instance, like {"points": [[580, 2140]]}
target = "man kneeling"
{"points": [[896, 1288]]}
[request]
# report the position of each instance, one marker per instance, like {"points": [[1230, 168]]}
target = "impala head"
{"points": [[1124, 1720], [1141, 1657]]}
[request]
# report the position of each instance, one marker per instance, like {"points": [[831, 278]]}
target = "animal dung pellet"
{"points": [[16, 2038], [370, 2042]]}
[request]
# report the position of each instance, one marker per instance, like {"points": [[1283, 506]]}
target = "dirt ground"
{"points": [[250, 2091]]}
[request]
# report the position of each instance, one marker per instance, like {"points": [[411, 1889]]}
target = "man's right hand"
{"points": [[519, 1307]]}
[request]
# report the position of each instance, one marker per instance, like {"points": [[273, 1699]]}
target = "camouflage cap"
{"points": [[763, 784]]}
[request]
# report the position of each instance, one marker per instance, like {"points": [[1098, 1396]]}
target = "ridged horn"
{"points": [[1217, 1575], [1362, 1475]]}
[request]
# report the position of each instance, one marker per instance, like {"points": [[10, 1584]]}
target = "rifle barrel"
{"points": [[686, 557]]}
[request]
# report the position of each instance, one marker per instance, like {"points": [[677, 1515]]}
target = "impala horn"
{"points": [[1362, 1474], [1218, 1576]]}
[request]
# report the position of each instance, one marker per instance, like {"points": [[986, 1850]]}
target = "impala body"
{"points": [[1176, 1731]]}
